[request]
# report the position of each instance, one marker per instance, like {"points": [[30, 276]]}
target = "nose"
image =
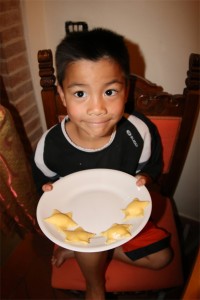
{"points": [[97, 106]]}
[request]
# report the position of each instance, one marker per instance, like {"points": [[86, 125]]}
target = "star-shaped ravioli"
{"points": [[135, 209], [116, 232], [79, 235], [61, 220]]}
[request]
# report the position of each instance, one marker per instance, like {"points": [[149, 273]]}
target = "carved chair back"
{"points": [[75, 26]]}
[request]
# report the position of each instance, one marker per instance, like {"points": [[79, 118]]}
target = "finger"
{"points": [[47, 187], [141, 181]]}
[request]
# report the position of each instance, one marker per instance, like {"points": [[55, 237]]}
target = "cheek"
{"points": [[118, 108], [74, 112]]}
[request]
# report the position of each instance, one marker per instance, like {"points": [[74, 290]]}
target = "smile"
{"points": [[98, 123]]}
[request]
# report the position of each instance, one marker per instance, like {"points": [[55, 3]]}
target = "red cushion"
{"points": [[124, 277], [165, 126]]}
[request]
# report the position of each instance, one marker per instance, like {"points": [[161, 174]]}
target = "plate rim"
{"points": [[82, 247]]}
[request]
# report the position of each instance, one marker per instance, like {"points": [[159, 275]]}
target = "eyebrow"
{"points": [[77, 84], [74, 84], [114, 81]]}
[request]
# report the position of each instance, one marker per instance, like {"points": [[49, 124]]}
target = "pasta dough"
{"points": [[61, 220], [116, 232], [78, 235], [135, 209]]}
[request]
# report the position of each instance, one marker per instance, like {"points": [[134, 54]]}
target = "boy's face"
{"points": [[94, 94]]}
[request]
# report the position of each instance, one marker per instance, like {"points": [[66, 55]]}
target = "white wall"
{"points": [[187, 194], [161, 35]]}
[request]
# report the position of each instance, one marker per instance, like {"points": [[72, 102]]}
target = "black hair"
{"points": [[91, 45]]}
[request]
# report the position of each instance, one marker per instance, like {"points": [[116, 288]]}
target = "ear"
{"points": [[127, 91], [61, 94]]}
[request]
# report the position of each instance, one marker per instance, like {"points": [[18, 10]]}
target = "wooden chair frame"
{"points": [[71, 26]]}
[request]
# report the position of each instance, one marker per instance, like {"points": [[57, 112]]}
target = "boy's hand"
{"points": [[47, 187], [142, 179]]}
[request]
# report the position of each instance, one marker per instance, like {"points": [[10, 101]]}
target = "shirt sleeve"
{"points": [[41, 173], [154, 165]]}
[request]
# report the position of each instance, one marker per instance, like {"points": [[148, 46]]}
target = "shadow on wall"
{"points": [[137, 63]]}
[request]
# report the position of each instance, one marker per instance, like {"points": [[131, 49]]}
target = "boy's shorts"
{"points": [[150, 240]]}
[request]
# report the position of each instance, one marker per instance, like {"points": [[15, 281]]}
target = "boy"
{"points": [[93, 78]]}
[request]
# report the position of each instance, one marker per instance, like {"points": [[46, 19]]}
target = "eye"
{"points": [[80, 94], [111, 92]]}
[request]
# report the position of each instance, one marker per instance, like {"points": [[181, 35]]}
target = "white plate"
{"points": [[96, 198]]}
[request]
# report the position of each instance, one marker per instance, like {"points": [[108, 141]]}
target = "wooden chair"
{"points": [[175, 116], [192, 290], [75, 26]]}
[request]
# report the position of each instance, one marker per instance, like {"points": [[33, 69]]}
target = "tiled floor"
{"points": [[26, 272]]}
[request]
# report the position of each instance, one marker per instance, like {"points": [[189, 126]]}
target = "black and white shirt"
{"points": [[133, 148]]}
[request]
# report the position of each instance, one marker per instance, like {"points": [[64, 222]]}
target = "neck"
{"points": [[85, 141]]}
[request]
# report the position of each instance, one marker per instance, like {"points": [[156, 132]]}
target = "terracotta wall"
{"points": [[15, 68]]}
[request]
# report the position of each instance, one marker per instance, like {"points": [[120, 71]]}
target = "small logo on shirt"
{"points": [[128, 132]]}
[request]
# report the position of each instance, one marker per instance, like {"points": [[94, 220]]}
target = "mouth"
{"points": [[97, 123]]}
